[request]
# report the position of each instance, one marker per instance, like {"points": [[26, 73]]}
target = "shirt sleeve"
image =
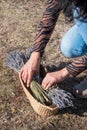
{"points": [[78, 65], [46, 26]]}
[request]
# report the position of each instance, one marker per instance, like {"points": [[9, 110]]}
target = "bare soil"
{"points": [[18, 24]]}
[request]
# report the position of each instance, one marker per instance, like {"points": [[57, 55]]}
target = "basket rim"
{"points": [[51, 107]]}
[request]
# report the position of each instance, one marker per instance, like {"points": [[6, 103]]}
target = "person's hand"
{"points": [[54, 77], [31, 68]]}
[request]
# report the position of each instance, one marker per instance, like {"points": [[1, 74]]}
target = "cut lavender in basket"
{"points": [[16, 59]]}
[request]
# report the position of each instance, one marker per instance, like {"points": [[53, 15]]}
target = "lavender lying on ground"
{"points": [[15, 60], [61, 98]]}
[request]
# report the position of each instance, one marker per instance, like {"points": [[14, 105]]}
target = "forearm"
{"points": [[46, 26], [78, 65]]}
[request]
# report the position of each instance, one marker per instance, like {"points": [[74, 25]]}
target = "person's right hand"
{"points": [[30, 69]]}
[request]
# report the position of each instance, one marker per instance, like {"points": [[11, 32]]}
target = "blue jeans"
{"points": [[74, 42]]}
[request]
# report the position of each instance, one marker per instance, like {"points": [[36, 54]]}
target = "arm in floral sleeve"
{"points": [[46, 26], [78, 65]]}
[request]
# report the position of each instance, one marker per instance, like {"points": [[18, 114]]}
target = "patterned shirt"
{"points": [[44, 31]]}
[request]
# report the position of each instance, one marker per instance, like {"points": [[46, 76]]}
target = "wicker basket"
{"points": [[39, 108]]}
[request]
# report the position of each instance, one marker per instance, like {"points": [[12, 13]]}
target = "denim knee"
{"points": [[73, 44], [70, 51], [66, 49]]}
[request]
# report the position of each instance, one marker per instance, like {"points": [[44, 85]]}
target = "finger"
{"points": [[24, 76], [29, 79], [44, 84], [48, 86]]}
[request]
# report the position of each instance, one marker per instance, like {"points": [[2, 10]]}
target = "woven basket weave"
{"points": [[39, 108]]}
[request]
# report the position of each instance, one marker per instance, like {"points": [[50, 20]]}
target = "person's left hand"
{"points": [[54, 77]]}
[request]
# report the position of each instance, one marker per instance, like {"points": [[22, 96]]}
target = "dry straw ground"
{"points": [[18, 25]]}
